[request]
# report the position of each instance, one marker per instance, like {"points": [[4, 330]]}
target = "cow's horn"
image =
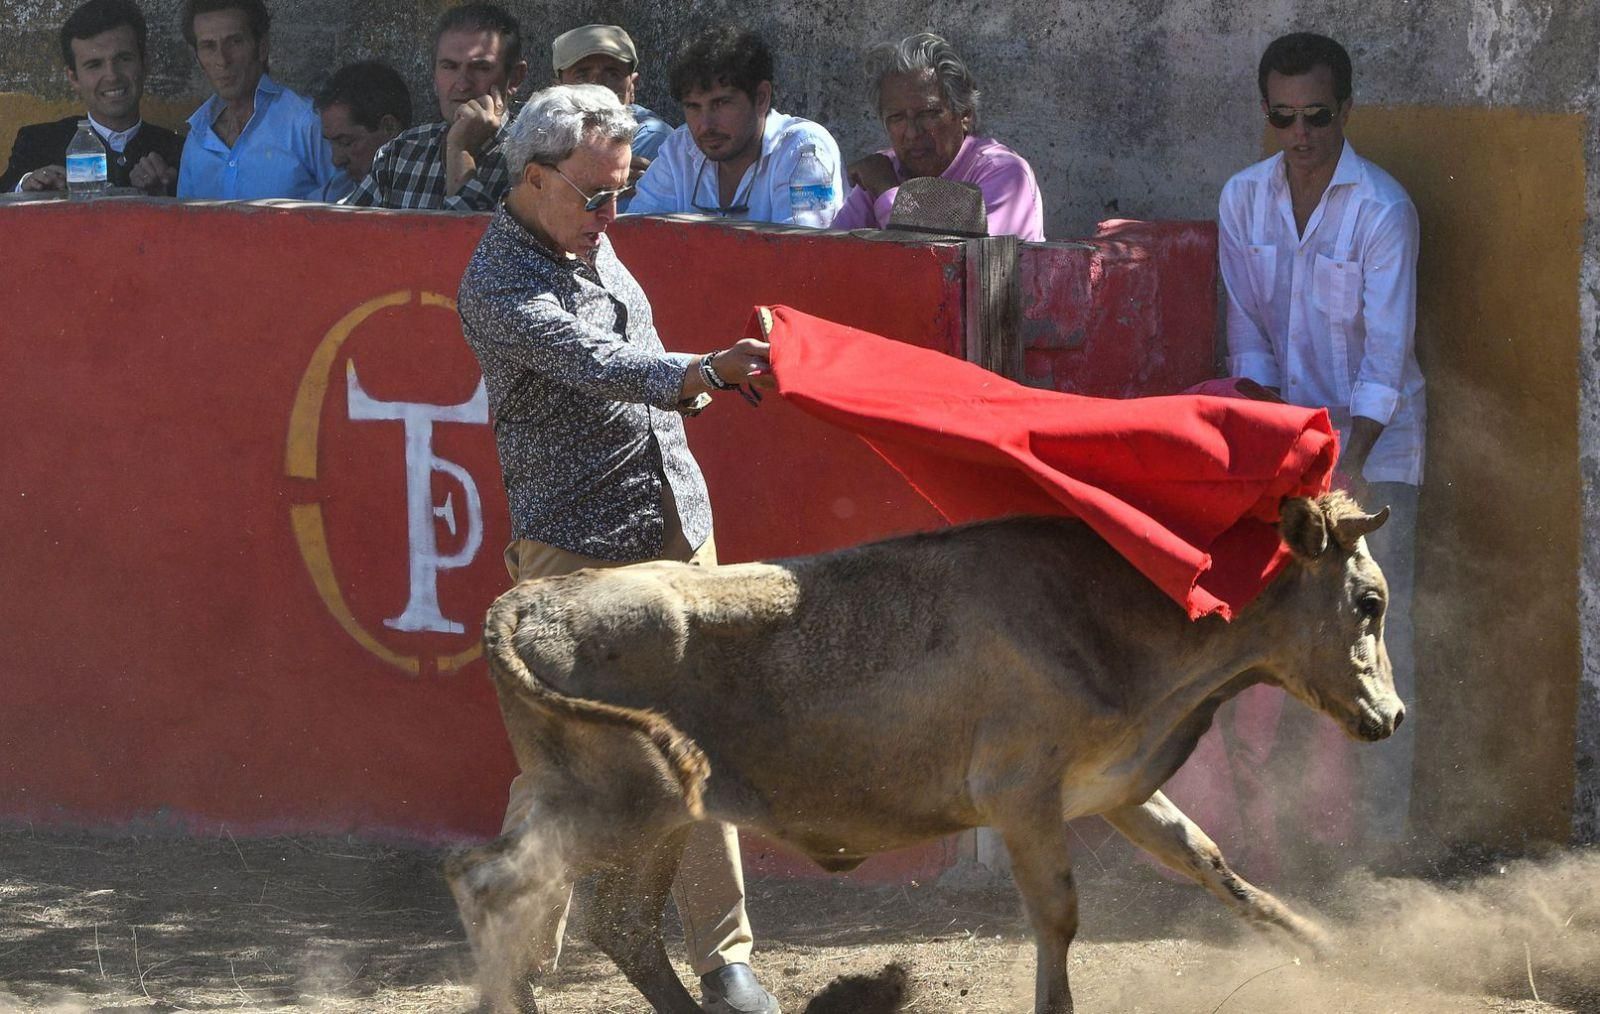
{"points": [[1353, 526]]}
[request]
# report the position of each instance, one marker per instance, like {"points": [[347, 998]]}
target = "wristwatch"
{"points": [[691, 407]]}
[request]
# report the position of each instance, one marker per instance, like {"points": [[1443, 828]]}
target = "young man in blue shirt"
{"points": [[254, 138]]}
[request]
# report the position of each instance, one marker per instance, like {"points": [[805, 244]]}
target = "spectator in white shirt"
{"points": [[1319, 259], [735, 155]]}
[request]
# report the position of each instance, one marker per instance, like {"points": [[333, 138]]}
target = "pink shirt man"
{"points": [[1010, 192]]}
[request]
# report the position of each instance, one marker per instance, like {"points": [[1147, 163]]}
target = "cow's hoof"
{"points": [[733, 989], [521, 1001]]}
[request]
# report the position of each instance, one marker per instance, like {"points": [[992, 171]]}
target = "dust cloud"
{"points": [[509, 893], [8, 1004], [1528, 931]]}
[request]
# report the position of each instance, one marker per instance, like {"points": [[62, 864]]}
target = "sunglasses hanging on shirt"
{"points": [[735, 207]]}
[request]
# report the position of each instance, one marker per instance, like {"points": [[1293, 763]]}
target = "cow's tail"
{"points": [[683, 756]]}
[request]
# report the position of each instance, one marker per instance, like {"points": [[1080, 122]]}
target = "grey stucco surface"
{"points": [[1586, 801], [1141, 108]]}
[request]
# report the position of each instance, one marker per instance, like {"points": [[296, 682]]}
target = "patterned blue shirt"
{"points": [[583, 395], [280, 153]]}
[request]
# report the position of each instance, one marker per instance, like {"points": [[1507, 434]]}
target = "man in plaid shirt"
{"points": [[456, 164]]}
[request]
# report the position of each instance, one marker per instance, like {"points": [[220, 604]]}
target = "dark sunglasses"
{"points": [[600, 199], [738, 207], [1283, 117]]}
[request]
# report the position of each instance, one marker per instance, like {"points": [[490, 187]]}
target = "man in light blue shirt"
{"points": [[735, 155], [254, 138]]}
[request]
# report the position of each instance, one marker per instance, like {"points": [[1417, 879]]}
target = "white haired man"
{"points": [[588, 419], [928, 102]]}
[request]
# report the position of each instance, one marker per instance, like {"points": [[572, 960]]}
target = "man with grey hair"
{"points": [[928, 102], [588, 418]]}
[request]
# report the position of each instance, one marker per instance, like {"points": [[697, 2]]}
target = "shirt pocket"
{"points": [[1263, 261], [1336, 296]]}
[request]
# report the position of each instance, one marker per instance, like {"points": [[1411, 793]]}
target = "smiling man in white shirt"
{"points": [[735, 155], [1318, 248]]}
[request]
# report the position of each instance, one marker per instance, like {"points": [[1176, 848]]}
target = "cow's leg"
{"points": [[625, 923], [511, 894], [1041, 865], [1162, 830]]}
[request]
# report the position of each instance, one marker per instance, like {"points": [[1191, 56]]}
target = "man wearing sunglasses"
{"points": [[735, 155], [588, 418], [1318, 249]]}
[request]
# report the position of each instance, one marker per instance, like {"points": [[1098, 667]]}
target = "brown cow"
{"points": [[1001, 674]]}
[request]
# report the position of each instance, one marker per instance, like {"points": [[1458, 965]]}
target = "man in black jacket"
{"points": [[103, 44]]}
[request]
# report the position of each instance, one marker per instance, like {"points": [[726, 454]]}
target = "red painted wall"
{"points": [[202, 546], [1128, 313]]}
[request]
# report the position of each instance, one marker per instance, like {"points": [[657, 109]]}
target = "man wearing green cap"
{"points": [[605, 55]]}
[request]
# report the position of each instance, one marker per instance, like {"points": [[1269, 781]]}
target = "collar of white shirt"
{"points": [[771, 127], [1346, 172], [116, 140]]}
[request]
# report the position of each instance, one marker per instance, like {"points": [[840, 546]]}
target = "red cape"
{"points": [[1185, 487]]}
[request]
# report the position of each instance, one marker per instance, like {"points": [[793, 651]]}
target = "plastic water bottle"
{"points": [[86, 164], [811, 191]]}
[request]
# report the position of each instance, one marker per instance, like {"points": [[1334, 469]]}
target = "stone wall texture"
{"points": [[1143, 108]]}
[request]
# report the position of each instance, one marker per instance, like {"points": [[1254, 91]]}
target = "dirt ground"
{"points": [[176, 924]]}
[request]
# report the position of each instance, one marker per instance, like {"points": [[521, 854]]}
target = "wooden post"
{"points": [[994, 341], [994, 333]]}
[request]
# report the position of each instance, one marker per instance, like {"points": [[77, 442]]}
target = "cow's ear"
{"points": [[1303, 527]]}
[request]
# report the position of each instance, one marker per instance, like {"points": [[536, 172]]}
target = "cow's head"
{"points": [[1333, 656]]}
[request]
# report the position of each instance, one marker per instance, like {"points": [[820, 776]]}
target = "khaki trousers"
{"points": [[709, 889]]}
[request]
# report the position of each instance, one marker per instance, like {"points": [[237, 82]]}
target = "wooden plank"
{"points": [[994, 336]]}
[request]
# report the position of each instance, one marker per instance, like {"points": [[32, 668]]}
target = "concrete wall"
{"points": [[1141, 108], [1484, 108]]}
